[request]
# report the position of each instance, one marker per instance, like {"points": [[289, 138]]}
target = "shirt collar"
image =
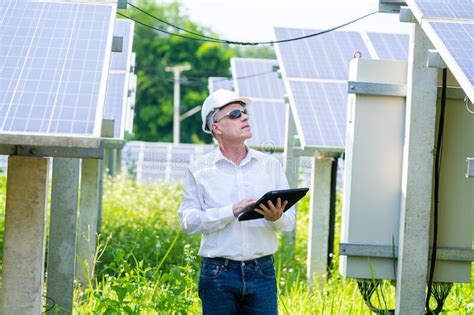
{"points": [[219, 156]]}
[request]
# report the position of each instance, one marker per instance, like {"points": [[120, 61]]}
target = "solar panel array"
{"points": [[215, 83], [54, 58], [447, 9], [315, 72], [116, 101], [390, 46], [257, 79], [160, 162], [450, 27]]}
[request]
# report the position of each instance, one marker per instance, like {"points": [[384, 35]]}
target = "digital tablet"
{"points": [[292, 195]]}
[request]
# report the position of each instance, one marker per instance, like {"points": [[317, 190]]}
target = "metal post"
{"points": [[24, 238], [319, 219], [176, 97], [417, 177], [87, 222], [62, 233], [290, 162]]}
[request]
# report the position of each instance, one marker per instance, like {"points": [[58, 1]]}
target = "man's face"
{"points": [[228, 127]]}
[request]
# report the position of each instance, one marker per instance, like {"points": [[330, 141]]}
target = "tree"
{"points": [[155, 51]]}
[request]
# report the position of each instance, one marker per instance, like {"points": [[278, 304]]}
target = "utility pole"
{"points": [[176, 112]]}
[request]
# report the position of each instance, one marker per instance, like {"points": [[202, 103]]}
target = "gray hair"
{"points": [[210, 119]]}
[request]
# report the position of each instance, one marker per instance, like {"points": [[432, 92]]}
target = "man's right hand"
{"points": [[240, 206]]}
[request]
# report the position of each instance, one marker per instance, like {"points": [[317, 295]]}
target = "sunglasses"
{"points": [[234, 114]]}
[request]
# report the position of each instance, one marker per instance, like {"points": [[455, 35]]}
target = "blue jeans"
{"points": [[238, 287]]}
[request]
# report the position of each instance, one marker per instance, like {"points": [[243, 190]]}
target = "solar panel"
{"points": [[267, 122], [390, 46], [215, 83], [116, 100], [256, 78], [54, 58], [323, 118], [315, 72], [458, 9], [450, 27], [323, 57], [457, 41], [122, 60]]}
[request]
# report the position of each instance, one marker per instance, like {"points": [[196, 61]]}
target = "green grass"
{"points": [[146, 265]]}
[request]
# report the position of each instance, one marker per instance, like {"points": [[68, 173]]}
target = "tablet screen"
{"points": [[292, 195]]}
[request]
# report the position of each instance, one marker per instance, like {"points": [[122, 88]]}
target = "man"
{"points": [[237, 272]]}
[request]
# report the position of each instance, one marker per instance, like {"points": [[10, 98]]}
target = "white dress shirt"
{"points": [[213, 184]]}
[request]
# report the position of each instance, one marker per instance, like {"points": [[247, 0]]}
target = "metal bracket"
{"points": [[434, 60], [390, 89], [369, 88], [303, 152], [112, 143], [406, 16], [470, 167], [117, 44], [385, 251], [390, 6], [121, 4], [38, 151]]}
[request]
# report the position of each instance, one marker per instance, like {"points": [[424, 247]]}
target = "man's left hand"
{"points": [[272, 212]]}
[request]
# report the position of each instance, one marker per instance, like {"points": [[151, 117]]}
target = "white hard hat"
{"points": [[216, 100]]}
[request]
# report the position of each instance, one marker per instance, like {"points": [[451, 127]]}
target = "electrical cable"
{"points": [[166, 32], [437, 170], [204, 38], [172, 25], [192, 81], [52, 305]]}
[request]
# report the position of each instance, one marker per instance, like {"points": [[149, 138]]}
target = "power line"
{"points": [[166, 32], [172, 25], [204, 38]]}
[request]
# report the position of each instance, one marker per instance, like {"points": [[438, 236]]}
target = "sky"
{"points": [[253, 20]]}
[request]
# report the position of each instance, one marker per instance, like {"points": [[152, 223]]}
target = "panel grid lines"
{"points": [[116, 100], [316, 71], [51, 56], [255, 78]]}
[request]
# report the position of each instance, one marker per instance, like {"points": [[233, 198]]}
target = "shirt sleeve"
{"points": [[193, 219], [286, 223]]}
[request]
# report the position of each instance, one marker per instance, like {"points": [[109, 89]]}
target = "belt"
{"points": [[230, 262]]}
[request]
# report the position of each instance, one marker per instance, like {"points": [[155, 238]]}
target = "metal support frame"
{"points": [[384, 251], [87, 222], [434, 59], [40, 151], [387, 89], [62, 235], [322, 214], [390, 6], [412, 266], [406, 16], [470, 167], [290, 161], [117, 44]]}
